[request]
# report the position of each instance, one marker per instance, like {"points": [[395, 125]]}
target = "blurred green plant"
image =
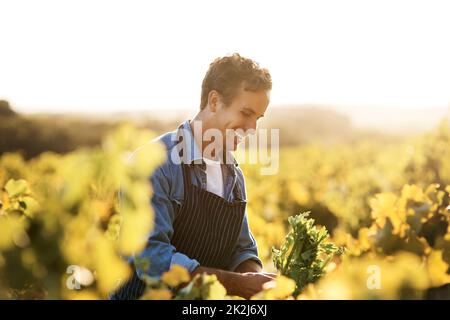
{"points": [[62, 234]]}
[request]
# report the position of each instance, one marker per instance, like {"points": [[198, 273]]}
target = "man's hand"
{"points": [[248, 265], [252, 283], [244, 285]]}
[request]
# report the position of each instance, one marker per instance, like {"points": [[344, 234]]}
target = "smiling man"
{"points": [[199, 196]]}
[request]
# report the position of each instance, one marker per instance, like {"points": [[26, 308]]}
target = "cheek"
{"points": [[237, 122], [231, 119], [229, 123]]}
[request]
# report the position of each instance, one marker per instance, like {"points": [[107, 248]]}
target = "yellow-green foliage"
{"points": [[387, 203], [62, 211]]}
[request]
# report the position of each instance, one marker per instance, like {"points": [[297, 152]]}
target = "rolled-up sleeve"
{"points": [[245, 249], [159, 250]]}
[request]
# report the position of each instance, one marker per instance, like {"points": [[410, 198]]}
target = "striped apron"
{"points": [[206, 228]]}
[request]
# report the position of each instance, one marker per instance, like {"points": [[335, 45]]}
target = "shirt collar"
{"points": [[193, 152]]}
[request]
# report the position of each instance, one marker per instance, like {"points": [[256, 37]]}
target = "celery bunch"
{"points": [[305, 252]]}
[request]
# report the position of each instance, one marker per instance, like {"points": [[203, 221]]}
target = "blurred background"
{"points": [[340, 70], [361, 95]]}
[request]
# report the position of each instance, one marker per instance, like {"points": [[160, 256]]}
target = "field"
{"points": [[385, 204]]}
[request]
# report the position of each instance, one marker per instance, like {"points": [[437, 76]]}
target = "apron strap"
{"points": [[186, 177], [237, 190]]}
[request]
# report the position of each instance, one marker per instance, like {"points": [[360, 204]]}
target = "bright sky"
{"points": [[136, 55]]}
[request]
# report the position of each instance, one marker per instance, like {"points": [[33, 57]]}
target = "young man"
{"points": [[199, 196]]}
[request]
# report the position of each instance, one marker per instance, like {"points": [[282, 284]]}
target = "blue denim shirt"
{"points": [[168, 190]]}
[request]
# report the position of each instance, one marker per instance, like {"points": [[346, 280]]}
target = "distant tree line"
{"points": [[34, 134]]}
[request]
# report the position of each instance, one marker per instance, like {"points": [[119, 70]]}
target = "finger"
{"points": [[272, 275]]}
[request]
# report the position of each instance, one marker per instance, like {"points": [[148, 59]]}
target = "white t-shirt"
{"points": [[214, 179]]}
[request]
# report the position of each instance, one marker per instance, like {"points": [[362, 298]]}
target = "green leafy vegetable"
{"points": [[305, 252]]}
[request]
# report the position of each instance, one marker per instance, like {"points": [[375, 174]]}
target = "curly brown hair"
{"points": [[227, 74]]}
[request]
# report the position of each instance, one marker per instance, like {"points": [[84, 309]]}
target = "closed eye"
{"points": [[246, 114]]}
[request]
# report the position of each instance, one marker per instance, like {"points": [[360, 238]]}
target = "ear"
{"points": [[213, 100]]}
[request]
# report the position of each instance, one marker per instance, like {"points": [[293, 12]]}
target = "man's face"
{"points": [[243, 113]]}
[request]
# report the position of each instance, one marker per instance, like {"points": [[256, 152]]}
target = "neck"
{"points": [[199, 130]]}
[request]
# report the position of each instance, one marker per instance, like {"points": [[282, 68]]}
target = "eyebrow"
{"points": [[253, 112]]}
